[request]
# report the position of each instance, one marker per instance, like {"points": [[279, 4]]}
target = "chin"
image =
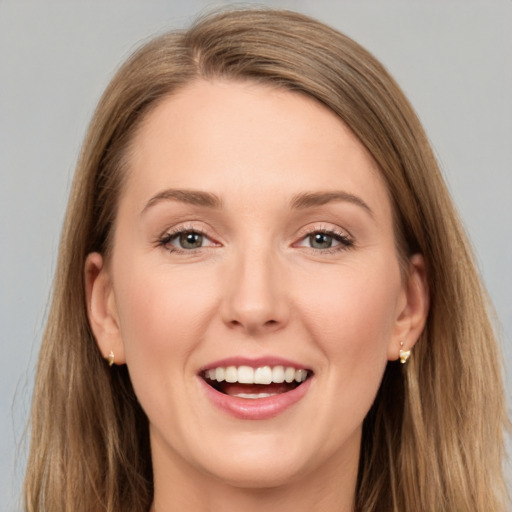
{"points": [[255, 459], [258, 475]]}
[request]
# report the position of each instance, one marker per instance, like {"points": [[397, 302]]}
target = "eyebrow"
{"points": [[300, 201], [311, 199], [193, 197]]}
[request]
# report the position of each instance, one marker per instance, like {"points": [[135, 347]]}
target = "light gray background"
{"points": [[453, 59]]}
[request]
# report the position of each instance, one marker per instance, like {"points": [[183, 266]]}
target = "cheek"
{"points": [[158, 303], [353, 311], [351, 315], [162, 316], [352, 321]]}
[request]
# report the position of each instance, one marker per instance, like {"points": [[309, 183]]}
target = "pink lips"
{"points": [[259, 408]]}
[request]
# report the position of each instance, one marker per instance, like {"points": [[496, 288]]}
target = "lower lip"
{"points": [[255, 408]]}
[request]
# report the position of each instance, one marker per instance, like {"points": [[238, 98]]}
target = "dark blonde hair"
{"points": [[432, 441]]}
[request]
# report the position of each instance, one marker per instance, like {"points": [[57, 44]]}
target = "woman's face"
{"points": [[253, 246]]}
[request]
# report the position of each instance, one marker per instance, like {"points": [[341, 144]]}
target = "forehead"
{"points": [[248, 139]]}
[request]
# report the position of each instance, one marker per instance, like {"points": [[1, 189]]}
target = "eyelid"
{"points": [[324, 227], [168, 235], [345, 239]]}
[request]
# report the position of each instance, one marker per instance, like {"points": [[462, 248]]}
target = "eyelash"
{"points": [[165, 241], [168, 237], [345, 241]]}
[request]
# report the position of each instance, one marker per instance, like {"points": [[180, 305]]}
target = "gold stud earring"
{"points": [[110, 358], [404, 354]]}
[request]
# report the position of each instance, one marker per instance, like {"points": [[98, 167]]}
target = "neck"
{"points": [[252, 500], [329, 488]]}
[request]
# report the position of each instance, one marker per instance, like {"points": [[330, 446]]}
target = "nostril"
{"points": [[254, 326], [272, 325]]}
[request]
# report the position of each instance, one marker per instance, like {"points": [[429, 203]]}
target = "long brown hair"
{"points": [[433, 440]]}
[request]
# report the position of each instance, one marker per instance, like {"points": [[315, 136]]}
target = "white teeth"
{"points": [[300, 375], [219, 374], [289, 375], [278, 374], [254, 396], [245, 375], [263, 375], [231, 374], [260, 375]]}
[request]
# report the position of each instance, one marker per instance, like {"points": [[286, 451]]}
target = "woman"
{"points": [[257, 237]]}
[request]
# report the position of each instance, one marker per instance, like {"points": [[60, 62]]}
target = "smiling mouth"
{"points": [[254, 383]]}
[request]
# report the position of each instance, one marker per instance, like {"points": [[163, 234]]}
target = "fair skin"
{"points": [[253, 230]]}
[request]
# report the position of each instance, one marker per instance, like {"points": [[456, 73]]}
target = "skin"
{"points": [[256, 287]]}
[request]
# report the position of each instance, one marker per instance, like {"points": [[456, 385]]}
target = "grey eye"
{"points": [[320, 241], [190, 240]]}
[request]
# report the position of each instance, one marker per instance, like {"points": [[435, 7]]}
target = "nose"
{"points": [[254, 299]]}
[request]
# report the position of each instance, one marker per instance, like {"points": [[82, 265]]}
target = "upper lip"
{"points": [[254, 363]]}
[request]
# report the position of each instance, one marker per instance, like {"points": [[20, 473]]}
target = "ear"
{"points": [[412, 309], [101, 308]]}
